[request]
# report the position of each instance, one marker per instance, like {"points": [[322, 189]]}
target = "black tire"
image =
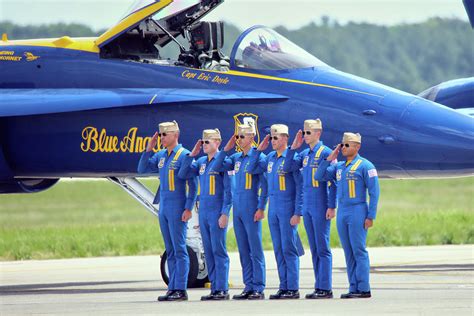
{"points": [[193, 280]]}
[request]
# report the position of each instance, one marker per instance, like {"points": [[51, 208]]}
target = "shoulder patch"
{"points": [[372, 173]]}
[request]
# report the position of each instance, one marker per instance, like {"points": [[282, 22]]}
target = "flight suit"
{"points": [[214, 200], [354, 179], [175, 195], [246, 200], [284, 198], [316, 201]]}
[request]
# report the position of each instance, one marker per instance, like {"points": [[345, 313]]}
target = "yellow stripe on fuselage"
{"points": [[86, 44], [258, 76]]}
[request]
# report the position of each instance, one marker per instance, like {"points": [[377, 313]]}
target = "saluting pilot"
{"points": [[284, 194], [248, 208], [355, 177], [214, 209], [176, 204], [318, 204]]}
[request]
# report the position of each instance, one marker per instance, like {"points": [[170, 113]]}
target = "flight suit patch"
{"points": [[202, 169], [161, 163], [305, 161], [237, 166], [339, 174], [270, 167]]}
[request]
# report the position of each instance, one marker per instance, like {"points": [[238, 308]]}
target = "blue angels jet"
{"points": [[87, 107]]}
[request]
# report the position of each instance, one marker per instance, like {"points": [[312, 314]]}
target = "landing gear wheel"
{"points": [[197, 275]]}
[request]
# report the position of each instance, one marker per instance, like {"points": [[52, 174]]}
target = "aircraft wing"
{"points": [[21, 102]]}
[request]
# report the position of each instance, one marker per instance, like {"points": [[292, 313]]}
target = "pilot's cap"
{"points": [[313, 124], [245, 129], [276, 129], [167, 127], [351, 137], [211, 134]]}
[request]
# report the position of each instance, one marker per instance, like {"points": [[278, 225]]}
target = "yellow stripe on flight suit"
{"points": [[248, 181], [212, 185], [352, 190], [171, 171], [281, 179], [318, 154]]}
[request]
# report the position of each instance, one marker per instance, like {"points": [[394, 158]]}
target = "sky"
{"points": [[101, 14]]}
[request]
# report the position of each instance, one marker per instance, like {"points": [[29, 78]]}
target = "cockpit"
{"points": [[151, 29]]}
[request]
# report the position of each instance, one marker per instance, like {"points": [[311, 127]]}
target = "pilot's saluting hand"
{"points": [[334, 153], [152, 143], [230, 144], [196, 149], [264, 144], [298, 140]]}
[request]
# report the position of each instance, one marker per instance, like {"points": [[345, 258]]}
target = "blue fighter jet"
{"points": [[87, 107]]}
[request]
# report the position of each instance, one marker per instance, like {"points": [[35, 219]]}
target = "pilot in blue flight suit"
{"points": [[318, 204], [284, 194], [176, 203], [355, 177], [248, 210], [215, 201]]}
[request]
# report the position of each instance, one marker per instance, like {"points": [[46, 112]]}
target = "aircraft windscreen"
{"points": [[264, 49]]}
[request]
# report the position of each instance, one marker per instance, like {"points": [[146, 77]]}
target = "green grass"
{"points": [[96, 218]]}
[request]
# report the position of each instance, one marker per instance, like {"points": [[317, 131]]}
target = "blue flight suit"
{"points": [[246, 200], [284, 198], [175, 195], [316, 201], [354, 179], [214, 200]]}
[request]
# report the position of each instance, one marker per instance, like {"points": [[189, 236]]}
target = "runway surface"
{"points": [[433, 280]]}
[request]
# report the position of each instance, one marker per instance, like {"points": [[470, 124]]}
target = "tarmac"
{"points": [[428, 280]]}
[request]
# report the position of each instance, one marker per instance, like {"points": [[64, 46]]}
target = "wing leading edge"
{"points": [[21, 102]]}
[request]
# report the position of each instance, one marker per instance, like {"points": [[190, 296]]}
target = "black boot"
{"points": [[220, 296], [312, 295], [165, 297], [256, 296], [278, 295], [207, 297], [355, 295], [242, 296], [360, 295], [291, 295], [322, 294], [179, 295]]}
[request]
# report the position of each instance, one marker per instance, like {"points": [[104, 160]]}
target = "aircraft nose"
{"points": [[438, 140]]}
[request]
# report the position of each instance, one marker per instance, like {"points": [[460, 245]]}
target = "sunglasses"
{"points": [[205, 142], [306, 133], [162, 135], [240, 136], [274, 137], [345, 145]]}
